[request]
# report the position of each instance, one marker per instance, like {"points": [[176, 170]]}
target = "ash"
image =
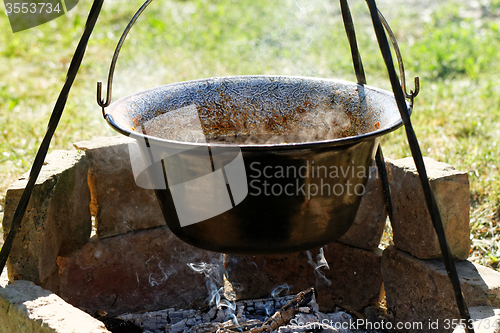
{"points": [[273, 315]]}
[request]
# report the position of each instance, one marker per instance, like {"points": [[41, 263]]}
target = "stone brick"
{"points": [[411, 223], [141, 270], [57, 219], [368, 226], [352, 281], [486, 319], [118, 204], [420, 291], [27, 308]]}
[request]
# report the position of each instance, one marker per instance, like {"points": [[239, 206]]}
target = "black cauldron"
{"points": [[256, 164]]}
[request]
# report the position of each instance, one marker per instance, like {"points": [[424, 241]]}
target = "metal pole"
{"points": [[419, 163], [360, 76], [51, 128]]}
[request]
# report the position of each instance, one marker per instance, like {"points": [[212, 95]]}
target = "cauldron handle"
{"points": [[413, 93], [100, 101], [104, 103], [358, 65]]}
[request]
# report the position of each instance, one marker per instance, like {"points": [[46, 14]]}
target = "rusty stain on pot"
{"points": [[232, 119], [277, 110]]}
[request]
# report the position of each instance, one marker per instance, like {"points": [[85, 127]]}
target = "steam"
{"points": [[214, 273], [268, 306], [277, 291], [209, 270], [144, 65], [215, 297], [156, 279], [235, 321], [317, 264], [182, 124], [281, 124]]}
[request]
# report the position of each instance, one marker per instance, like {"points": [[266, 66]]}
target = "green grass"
{"points": [[456, 115]]}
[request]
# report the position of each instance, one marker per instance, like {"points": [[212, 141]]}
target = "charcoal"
{"points": [[248, 316], [221, 315], [178, 327], [212, 313]]}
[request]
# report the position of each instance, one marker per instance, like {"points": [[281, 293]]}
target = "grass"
{"points": [[454, 50]]}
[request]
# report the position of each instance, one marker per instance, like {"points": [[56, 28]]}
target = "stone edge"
{"points": [[26, 307]]}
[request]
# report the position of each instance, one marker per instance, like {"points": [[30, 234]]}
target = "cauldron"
{"points": [[257, 164]]}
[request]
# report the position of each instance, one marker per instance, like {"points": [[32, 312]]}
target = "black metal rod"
{"points": [[351, 36], [386, 189], [419, 163], [361, 77], [51, 128]]}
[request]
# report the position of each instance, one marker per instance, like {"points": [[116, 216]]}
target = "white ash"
{"points": [[246, 314], [178, 320]]}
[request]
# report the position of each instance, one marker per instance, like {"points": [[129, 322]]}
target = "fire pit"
{"points": [[200, 139]]}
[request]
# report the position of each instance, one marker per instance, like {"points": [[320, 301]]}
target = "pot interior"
{"points": [[257, 111]]}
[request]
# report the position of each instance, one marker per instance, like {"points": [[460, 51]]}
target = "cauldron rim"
{"points": [[349, 140]]}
